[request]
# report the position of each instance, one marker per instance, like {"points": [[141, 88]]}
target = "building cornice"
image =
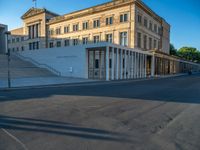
{"points": [[91, 10]]}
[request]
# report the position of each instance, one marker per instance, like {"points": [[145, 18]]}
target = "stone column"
{"points": [[121, 64], [113, 63], [117, 64], [125, 62], [145, 64], [107, 64], [128, 65], [153, 65], [135, 64]]}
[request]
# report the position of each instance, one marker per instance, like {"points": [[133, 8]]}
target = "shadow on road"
{"points": [[59, 128], [185, 89]]}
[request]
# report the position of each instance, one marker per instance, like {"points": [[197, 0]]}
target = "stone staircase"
{"points": [[21, 69]]}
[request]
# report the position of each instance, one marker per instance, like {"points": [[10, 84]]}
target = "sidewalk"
{"points": [[41, 81], [53, 81]]}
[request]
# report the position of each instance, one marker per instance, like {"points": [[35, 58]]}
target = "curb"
{"points": [[87, 83]]}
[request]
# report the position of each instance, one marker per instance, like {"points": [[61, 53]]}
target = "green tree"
{"points": [[173, 50], [189, 53]]}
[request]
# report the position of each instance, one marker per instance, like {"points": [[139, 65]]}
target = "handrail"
{"points": [[38, 64]]}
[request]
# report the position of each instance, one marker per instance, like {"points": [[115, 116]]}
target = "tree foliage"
{"points": [[187, 53]]}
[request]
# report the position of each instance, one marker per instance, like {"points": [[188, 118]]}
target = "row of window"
{"points": [[15, 40], [16, 48], [85, 25], [149, 24], [143, 41], [123, 36], [34, 45]]}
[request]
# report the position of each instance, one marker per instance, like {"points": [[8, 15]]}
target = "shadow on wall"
{"points": [[59, 128], [183, 89]]}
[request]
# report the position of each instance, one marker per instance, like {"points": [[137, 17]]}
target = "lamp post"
{"points": [[8, 58]]}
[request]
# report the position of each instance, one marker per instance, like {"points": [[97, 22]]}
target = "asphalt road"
{"points": [[161, 114]]}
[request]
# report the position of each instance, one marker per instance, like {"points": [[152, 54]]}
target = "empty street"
{"points": [[161, 114]]}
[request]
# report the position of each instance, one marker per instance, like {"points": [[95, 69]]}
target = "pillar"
{"points": [[117, 64], [113, 63], [153, 65], [121, 64], [107, 63]]}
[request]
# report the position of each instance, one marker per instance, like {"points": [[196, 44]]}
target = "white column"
{"points": [[125, 62], [128, 64], [145, 65], [138, 61], [107, 63], [135, 64], [117, 64], [121, 64], [113, 63], [131, 65], [153, 65]]}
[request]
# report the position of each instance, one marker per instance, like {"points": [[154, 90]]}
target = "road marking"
{"points": [[15, 138]]}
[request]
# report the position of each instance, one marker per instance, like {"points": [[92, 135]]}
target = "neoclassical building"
{"points": [[120, 39]]}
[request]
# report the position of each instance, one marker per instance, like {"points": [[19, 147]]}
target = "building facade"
{"points": [[136, 35]]}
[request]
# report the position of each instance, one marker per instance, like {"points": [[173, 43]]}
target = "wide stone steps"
{"points": [[20, 68]]}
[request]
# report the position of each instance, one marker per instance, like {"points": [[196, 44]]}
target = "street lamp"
{"points": [[8, 58]]}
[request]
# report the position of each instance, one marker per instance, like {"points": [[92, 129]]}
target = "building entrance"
{"points": [[96, 64]]}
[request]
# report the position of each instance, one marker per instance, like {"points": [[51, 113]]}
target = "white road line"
{"points": [[15, 138]]}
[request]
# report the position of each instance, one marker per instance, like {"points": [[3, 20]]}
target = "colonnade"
{"points": [[125, 64]]}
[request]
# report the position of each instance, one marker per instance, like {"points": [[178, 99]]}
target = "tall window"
{"points": [[139, 19], [67, 42], [58, 43], [155, 28], [75, 27], [51, 32], [58, 31], [124, 17], [17, 39], [150, 43], [96, 39], [51, 45], [109, 20], [124, 38], [96, 23], [75, 41], [145, 22], [37, 45], [109, 38], [66, 29], [154, 44], [145, 42], [85, 25], [150, 26], [30, 46], [85, 40], [160, 31], [139, 40]]}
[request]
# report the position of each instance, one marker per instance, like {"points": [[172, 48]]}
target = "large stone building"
{"points": [[125, 22], [121, 39]]}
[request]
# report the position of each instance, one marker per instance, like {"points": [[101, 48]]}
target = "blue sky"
{"points": [[182, 15]]}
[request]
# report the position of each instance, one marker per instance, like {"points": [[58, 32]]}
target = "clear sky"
{"points": [[182, 15]]}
